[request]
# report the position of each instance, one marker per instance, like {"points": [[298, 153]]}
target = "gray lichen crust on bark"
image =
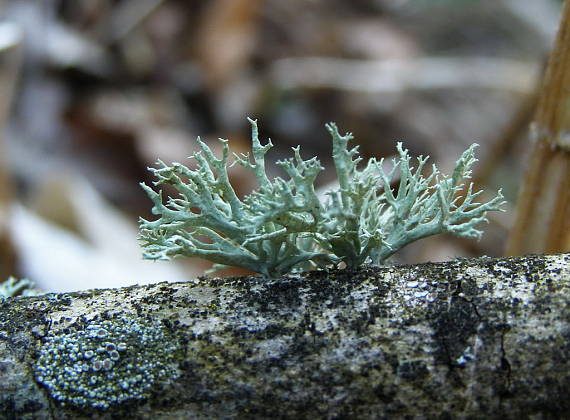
{"points": [[470, 338]]}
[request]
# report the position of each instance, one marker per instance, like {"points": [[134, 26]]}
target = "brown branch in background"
{"points": [[543, 214], [10, 58], [507, 140]]}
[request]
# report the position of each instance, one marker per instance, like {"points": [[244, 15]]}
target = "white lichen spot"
{"points": [[466, 357], [78, 368], [420, 294]]}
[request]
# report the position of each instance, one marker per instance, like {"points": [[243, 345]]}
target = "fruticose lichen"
{"points": [[101, 363], [283, 226], [17, 287]]}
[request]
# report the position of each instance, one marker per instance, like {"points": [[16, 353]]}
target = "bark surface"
{"points": [[471, 338]]}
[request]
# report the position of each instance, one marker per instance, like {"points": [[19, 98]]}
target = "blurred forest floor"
{"points": [[96, 91]]}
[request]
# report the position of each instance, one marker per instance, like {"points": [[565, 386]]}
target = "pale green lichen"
{"points": [[364, 222], [102, 363], [283, 226], [268, 232], [17, 287]]}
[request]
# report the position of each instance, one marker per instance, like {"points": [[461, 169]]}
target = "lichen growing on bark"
{"points": [[284, 227], [101, 363]]}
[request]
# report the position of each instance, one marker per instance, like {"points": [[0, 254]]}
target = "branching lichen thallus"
{"points": [[283, 226]]}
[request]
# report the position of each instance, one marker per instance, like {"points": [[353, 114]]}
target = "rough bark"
{"points": [[471, 338]]}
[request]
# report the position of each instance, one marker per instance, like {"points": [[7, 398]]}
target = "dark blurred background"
{"points": [[93, 92]]}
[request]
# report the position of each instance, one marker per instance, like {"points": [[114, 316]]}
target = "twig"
{"points": [[10, 38], [543, 219]]}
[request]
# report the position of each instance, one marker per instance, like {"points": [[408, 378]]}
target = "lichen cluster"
{"points": [[101, 363], [283, 226], [17, 287]]}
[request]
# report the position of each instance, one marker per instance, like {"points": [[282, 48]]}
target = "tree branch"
{"points": [[471, 338], [542, 224]]}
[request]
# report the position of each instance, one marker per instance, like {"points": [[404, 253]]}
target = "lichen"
{"points": [[101, 363], [283, 226], [17, 287]]}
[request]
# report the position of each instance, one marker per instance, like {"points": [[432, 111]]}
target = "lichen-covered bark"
{"points": [[478, 338]]}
